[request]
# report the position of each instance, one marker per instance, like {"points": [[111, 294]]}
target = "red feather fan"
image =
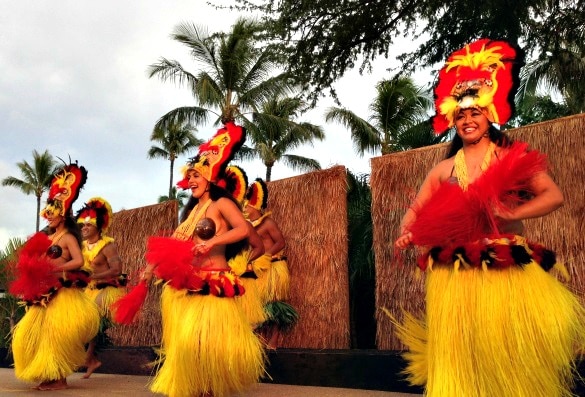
{"points": [[453, 216], [174, 262], [34, 271], [126, 308]]}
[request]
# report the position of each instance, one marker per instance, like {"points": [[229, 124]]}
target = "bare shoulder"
{"points": [[224, 203], [442, 170], [69, 238], [270, 222], [110, 248]]}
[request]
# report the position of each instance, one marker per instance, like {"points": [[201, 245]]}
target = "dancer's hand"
{"points": [[503, 213], [404, 240], [146, 275], [202, 248]]}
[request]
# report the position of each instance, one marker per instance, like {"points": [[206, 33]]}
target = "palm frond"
{"points": [[246, 154], [194, 115], [173, 71], [300, 163], [364, 135]]}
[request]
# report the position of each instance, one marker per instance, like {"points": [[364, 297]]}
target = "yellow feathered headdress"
{"points": [[483, 74], [235, 182], [96, 211], [257, 195]]}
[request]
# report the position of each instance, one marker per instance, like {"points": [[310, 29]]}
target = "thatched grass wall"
{"points": [[395, 180], [131, 229], [311, 210]]}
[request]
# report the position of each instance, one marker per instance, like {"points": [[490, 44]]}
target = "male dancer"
{"points": [[101, 260]]}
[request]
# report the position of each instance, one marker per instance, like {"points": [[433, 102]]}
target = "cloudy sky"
{"points": [[73, 82]]}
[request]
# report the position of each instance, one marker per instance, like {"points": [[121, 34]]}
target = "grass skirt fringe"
{"points": [[251, 302], [208, 346], [262, 267], [48, 343], [279, 281], [512, 332], [104, 298]]}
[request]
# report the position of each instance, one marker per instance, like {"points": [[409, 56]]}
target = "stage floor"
{"points": [[135, 386]]}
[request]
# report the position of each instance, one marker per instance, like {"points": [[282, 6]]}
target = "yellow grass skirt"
{"points": [[48, 343], [512, 332], [262, 267], [251, 302], [278, 281], [208, 346], [104, 298]]}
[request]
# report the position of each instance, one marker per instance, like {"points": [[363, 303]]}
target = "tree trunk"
{"points": [[38, 212], [171, 179], [268, 172]]}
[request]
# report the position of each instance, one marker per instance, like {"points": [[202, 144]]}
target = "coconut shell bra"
{"points": [[205, 228]]}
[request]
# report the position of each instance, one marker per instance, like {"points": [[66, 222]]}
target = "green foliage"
{"points": [[398, 119], [274, 133], [175, 139], [233, 73], [362, 279], [535, 109], [36, 178], [237, 77], [10, 310], [559, 66], [325, 38], [281, 314], [181, 196], [359, 200]]}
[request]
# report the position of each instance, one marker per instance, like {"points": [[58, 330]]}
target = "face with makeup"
{"points": [[472, 124], [197, 183], [53, 219]]}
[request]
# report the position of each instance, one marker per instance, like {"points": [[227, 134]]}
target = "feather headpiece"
{"points": [[96, 211], [257, 195], [214, 155], [235, 181], [65, 188], [483, 74]]}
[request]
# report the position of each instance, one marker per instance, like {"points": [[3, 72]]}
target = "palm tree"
{"points": [[233, 74], [561, 69], [533, 108], [273, 133], [175, 139], [36, 178], [399, 119], [180, 196], [560, 64]]}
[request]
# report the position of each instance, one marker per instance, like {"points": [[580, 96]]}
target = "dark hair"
{"points": [[72, 227], [215, 193], [495, 135]]}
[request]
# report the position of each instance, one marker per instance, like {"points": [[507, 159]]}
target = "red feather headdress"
{"points": [[96, 211], [483, 74], [257, 195], [235, 181], [214, 155], [64, 190]]}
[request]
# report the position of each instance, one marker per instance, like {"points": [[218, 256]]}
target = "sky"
{"points": [[73, 81]]}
